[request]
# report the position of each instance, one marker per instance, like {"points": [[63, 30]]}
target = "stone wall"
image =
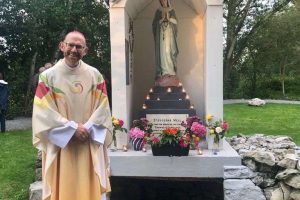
{"points": [[271, 167]]}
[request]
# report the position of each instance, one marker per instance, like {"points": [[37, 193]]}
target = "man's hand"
{"points": [[82, 133]]}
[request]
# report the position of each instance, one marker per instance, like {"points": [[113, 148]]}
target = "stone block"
{"points": [[237, 189], [237, 172], [35, 191]]}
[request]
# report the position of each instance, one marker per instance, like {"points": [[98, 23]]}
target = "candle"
{"points": [[148, 97], [169, 90], [125, 148], [183, 90], [151, 90], [187, 97], [158, 99], [144, 106], [180, 84], [192, 107]]}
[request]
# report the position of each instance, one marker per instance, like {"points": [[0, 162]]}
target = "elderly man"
{"points": [[72, 126]]}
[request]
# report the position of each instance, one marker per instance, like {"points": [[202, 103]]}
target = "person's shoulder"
{"points": [[91, 69]]}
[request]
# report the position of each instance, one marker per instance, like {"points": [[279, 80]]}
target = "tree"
{"points": [[243, 18], [277, 46], [30, 31]]}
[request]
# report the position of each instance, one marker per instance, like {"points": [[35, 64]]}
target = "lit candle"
{"points": [[144, 106], [183, 90], [151, 90], [180, 84], [148, 97], [158, 99], [192, 107], [169, 90], [187, 97], [125, 148], [200, 152]]}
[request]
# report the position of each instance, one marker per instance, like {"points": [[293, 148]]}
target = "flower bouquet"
{"points": [[142, 128], [196, 129], [118, 130], [216, 132], [170, 142]]}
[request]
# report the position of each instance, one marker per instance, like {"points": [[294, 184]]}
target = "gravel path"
{"points": [[18, 123], [232, 101]]}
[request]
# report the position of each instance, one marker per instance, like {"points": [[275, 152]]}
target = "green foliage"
{"points": [[35, 27], [243, 19], [271, 119], [17, 167]]}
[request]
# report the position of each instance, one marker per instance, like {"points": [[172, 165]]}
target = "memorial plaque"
{"points": [[163, 121]]}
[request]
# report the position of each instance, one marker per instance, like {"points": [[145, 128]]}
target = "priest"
{"points": [[72, 126]]}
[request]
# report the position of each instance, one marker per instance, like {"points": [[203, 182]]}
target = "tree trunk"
{"points": [[282, 76], [29, 86], [56, 53]]}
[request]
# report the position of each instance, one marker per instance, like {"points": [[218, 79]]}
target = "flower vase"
{"points": [[138, 144], [121, 139], [212, 144]]}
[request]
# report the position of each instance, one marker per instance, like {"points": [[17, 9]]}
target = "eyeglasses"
{"points": [[77, 46]]}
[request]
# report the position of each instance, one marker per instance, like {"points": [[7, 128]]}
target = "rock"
{"points": [[286, 174], [263, 180], [38, 162], [295, 195], [298, 165], [281, 193], [280, 153], [35, 191], [250, 163], [256, 102], [237, 189], [268, 191], [284, 145], [261, 157], [38, 174], [289, 161], [280, 139], [237, 172], [293, 181]]}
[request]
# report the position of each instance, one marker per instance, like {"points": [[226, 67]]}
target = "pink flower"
{"points": [[121, 123], [155, 140], [198, 129], [183, 143], [225, 125], [136, 133]]}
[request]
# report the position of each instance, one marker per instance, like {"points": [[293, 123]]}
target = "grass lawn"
{"points": [[17, 160], [271, 119]]}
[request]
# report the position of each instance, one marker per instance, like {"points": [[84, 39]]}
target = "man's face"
{"points": [[73, 48]]}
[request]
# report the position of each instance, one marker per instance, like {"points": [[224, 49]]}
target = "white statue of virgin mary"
{"points": [[165, 33]]}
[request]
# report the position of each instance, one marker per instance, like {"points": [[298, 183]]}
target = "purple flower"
{"points": [[191, 120]]}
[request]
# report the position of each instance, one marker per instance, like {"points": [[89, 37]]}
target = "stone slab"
{"points": [[144, 164]]}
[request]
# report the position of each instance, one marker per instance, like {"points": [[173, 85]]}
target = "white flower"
{"points": [[219, 129]]}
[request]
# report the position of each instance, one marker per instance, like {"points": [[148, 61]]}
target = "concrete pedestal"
{"points": [[144, 164]]}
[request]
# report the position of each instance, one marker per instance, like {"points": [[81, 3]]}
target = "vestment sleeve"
{"points": [[45, 116], [62, 135]]}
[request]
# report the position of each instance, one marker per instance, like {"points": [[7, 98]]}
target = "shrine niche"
{"points": [[198, 62]]}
